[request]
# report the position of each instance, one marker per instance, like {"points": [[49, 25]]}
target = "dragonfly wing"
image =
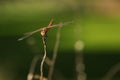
{"points": [[61, 24], [32, 32], [23, 37], [26, 35]]}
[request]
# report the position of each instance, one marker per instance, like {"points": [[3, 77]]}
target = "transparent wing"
{"points": [[26, 35], [63, 24], [23, 37]]}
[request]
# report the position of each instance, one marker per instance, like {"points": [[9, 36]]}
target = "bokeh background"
{"points": [[96, 23]]}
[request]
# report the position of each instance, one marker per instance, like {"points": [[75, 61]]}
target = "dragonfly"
{"points": [[43, 30]]}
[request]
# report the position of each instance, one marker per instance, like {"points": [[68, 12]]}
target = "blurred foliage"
{"points": [[95, 29]]}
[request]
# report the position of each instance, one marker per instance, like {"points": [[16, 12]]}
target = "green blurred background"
{"points": [[96, 23]]}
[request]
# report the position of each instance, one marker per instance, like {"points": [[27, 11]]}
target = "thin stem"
{"points": [[32, 68], [33, 65], [44, 56], [36, 77], [50, 74], [112, 72]]}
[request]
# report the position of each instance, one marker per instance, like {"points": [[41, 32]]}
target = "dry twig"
{"points": [[33, 65], [44, 56], [32, 68], [37, 77], [112, 72], [51, 69]]}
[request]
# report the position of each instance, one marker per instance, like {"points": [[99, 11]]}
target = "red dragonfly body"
{"points": [[45, 29]]}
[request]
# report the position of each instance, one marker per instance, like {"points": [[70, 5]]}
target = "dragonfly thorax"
{"points": [[44, 31]]}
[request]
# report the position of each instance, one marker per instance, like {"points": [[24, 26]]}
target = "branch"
{"points": [[33, 65], [50, 74], [32, 68], [112, 72], [44, 56], [38, 77]]}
